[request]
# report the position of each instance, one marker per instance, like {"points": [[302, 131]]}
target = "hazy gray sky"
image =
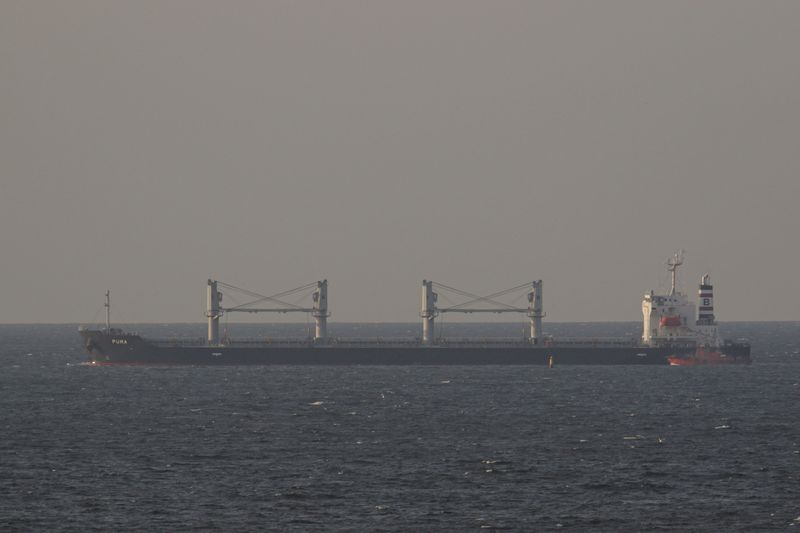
{"points": [[146, 146]]}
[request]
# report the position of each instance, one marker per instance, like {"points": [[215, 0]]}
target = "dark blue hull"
{"points": [[121, 348]]}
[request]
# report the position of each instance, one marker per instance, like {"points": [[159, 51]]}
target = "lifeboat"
{"points": [[670, 321]]}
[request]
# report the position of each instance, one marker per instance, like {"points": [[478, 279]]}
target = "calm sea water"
{"points": [[408, 448]]}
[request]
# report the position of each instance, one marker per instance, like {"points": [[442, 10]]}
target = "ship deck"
{"points": [[381, 342]]}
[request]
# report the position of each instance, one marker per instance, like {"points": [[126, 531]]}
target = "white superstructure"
{"points": [[668, 318]]}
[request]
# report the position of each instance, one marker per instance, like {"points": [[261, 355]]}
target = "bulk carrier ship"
{"points": [[670, 336]]}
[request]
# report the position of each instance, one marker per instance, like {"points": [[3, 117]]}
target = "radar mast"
{"points": [[107, 305], [672, 265]]}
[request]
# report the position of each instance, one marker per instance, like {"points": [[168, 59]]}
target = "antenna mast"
{"points": [[672, 266], [108, 311]]}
